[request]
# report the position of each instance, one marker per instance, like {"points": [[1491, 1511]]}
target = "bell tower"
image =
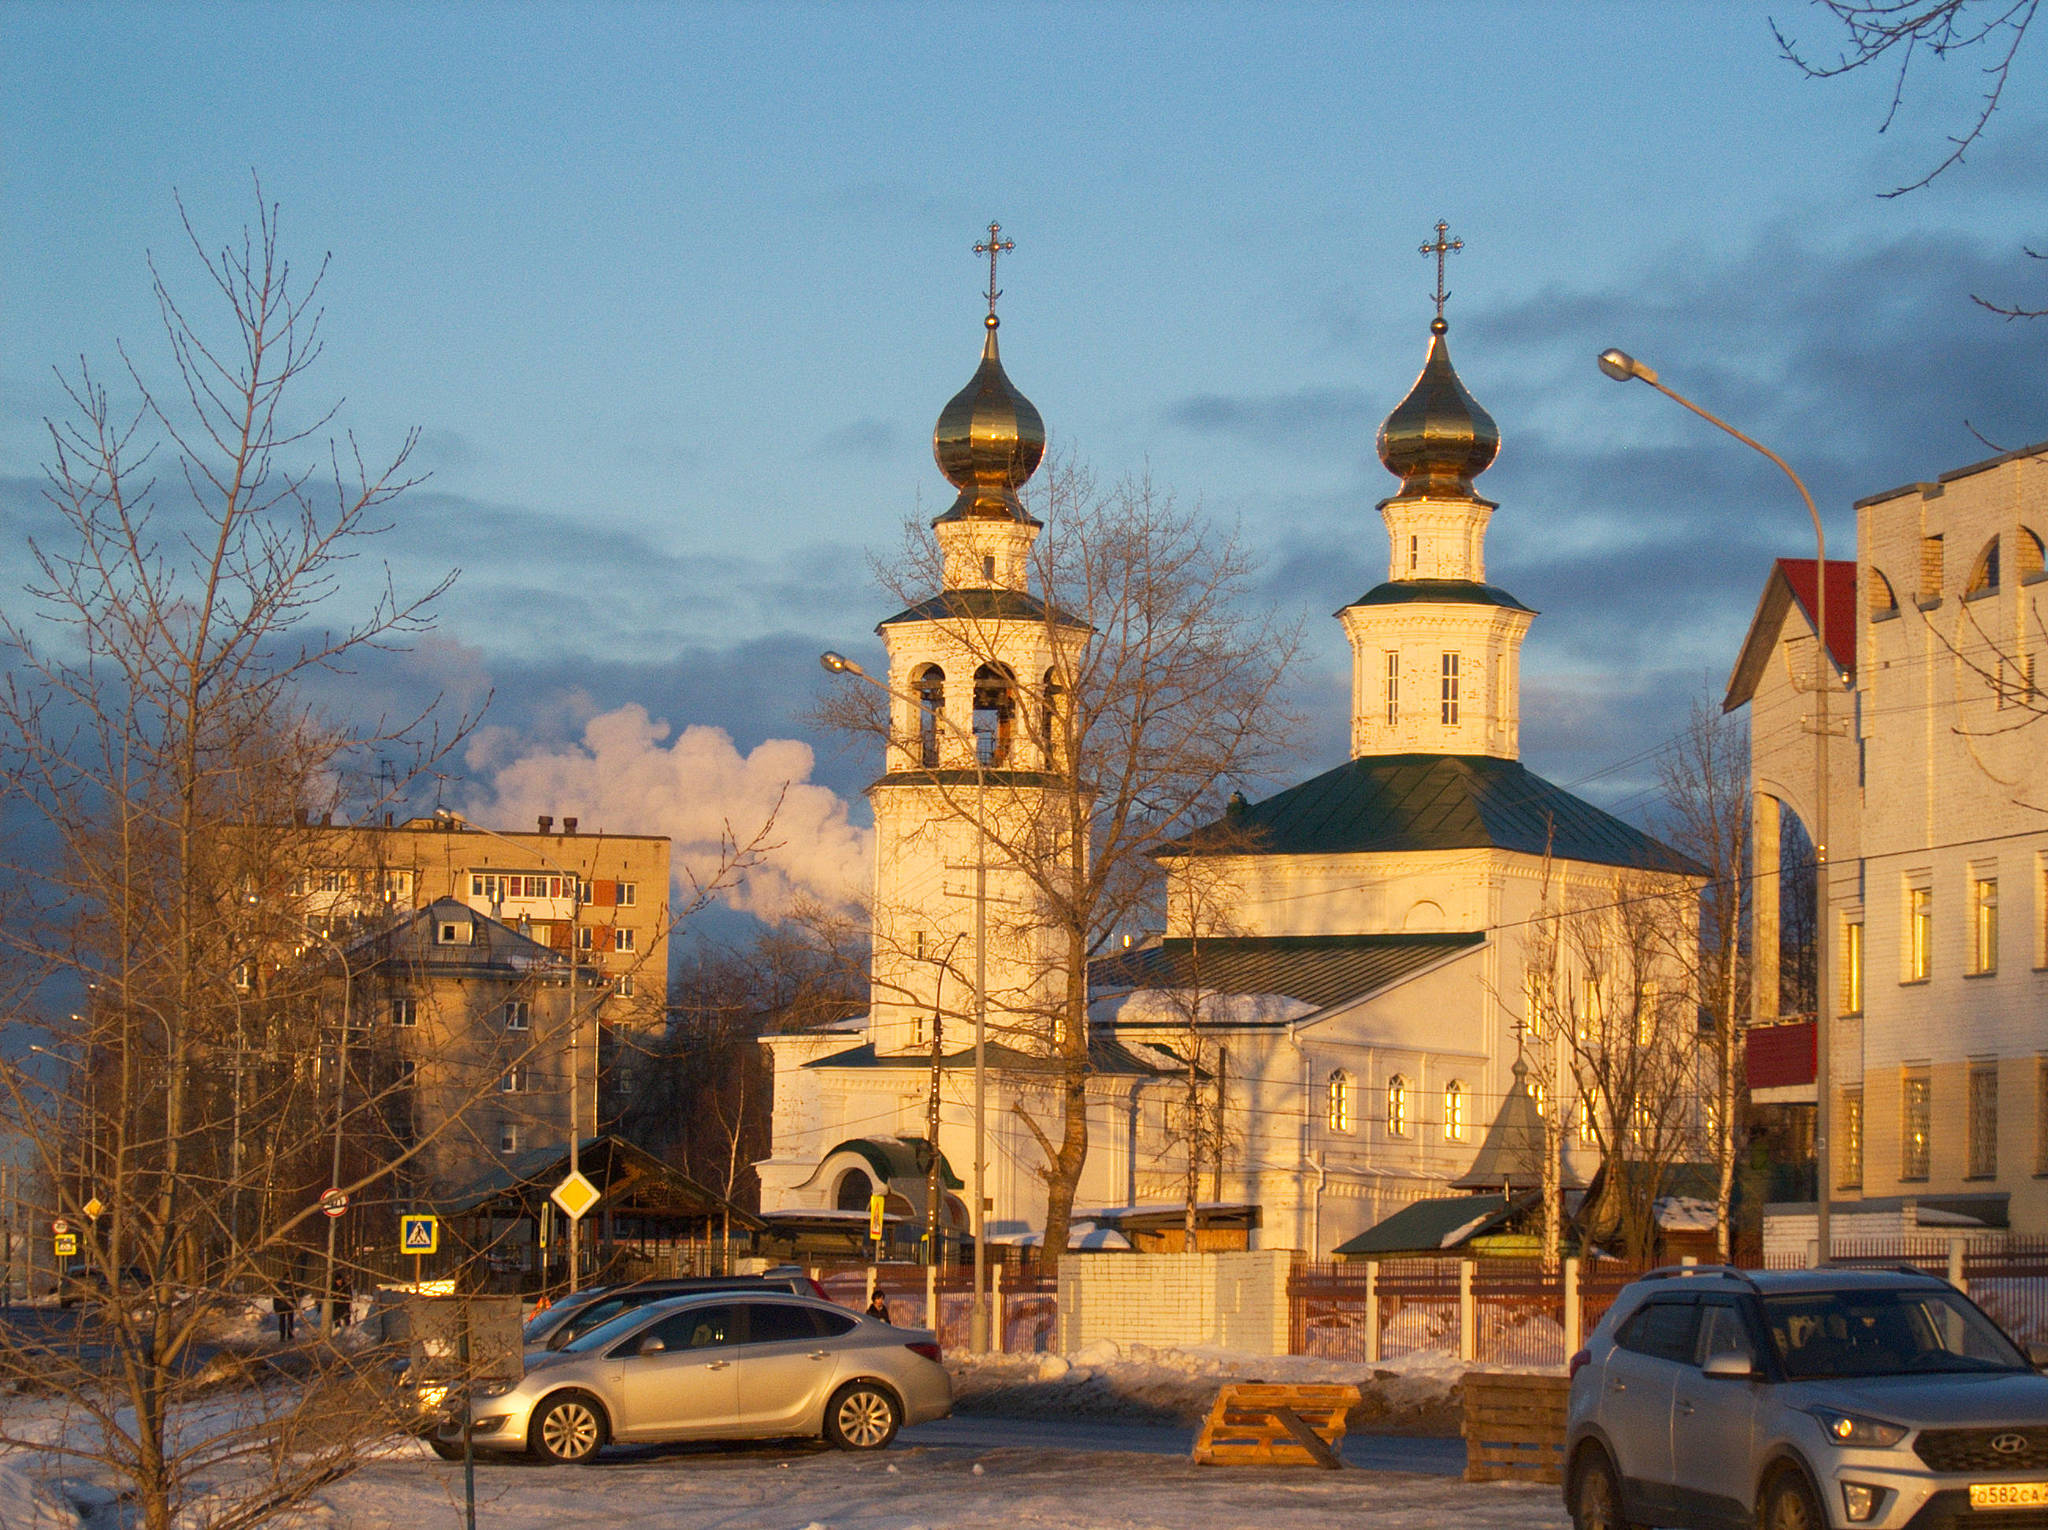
{"points": [[969, 775], [1436, 650]]}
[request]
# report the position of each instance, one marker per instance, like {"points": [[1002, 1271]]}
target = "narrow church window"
{"points": [[931, 705], [1050, 715], [1454, 1111], [1340, 1101], [1393, 686], [995, 709], [1414, 554], [1450, 690], [1397, 1106]]}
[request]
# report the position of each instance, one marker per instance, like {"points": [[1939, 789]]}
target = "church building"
{"points": [[1349, 966]]}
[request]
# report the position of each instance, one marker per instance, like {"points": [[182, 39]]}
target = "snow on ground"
{"points": [[918, 1486]]}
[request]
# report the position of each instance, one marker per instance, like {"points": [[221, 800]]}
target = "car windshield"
{"points": [[544, 1322], [1884, 1333]]}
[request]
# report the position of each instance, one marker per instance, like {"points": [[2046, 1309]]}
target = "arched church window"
{"points": [[1984, 576], [2027, 554], [1340, 1101], [1051, 694], [931, 707], [1397, 1106], [853, 1191], [1454, 1111], [995, 712], [1880, 598]]}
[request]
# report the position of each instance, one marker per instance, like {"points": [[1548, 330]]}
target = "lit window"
{"points": [[1340, 1101], [1852, 967], [1916, 1109], [1450, 689], [1454, 1111], [405, 1012], [1983, 1120], [1397, 1106], [1849, 1135], [1393, 686], [518, 1014], [1984, 925], [1919, 933], [1585, 1118]]}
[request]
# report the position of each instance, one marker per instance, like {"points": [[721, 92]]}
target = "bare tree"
{"points": [[1706, 790], [153, 730], [1173, 695]]}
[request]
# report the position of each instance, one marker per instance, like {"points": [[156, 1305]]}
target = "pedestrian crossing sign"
{"points": [[419, 1233]]}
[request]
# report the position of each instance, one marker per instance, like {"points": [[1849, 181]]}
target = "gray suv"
{"points": [[1802, 1400]]}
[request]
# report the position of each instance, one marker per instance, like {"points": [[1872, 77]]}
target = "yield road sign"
{"points": [[419, 1233], [334, 1202], [575, 1195], [66, 1244]]}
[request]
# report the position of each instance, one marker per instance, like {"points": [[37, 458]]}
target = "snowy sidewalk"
{"points": [[922, 1487]]}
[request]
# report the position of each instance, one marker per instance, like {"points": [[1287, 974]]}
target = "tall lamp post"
{"points": [[1623, 367], [978, 1320], [348, 984], [575, 884]]}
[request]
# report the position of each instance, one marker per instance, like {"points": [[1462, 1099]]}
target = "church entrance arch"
{"points": [[852, 1191]]}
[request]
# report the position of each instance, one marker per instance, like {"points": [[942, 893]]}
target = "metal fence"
{"points": [[2007, 1278], [1024, 1311]]}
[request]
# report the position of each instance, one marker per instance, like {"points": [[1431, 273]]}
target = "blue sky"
{"points": [[675, 292]]}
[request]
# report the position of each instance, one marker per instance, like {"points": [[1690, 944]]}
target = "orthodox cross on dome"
{"points": [[1440, 249], [992, 247]]}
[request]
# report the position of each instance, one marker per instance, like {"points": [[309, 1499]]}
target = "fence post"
{"points": [[995, 1307], [1372, 1311], [1571, 1308], [869, 1300], [1468, 1313], [1956, 1277]]}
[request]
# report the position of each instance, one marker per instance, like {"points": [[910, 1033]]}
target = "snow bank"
{"points": [[26, 1504], [1138, 1383]]}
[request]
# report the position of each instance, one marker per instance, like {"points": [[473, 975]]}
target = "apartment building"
{"points": [[1937, 898]]}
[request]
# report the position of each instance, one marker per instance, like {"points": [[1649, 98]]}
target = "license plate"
{"points": [[2008, 1495]]}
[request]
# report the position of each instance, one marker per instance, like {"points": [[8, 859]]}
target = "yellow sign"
{"points": [[2008, 1495], [575, 1195], [419, 1233], [876, 1203], [94, 1207], [67, 1245]]}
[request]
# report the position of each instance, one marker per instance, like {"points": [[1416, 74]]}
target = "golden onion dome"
{"points": [[1439, 439], [988, 441]]}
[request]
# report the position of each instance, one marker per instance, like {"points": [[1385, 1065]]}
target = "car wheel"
{"points": [[1789, 1504], [1596, 1495], [447, 1450], [568, 1428], [861, 1416]]}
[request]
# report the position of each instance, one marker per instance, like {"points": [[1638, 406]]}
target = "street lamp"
{"points": [[1623, 367], [978, 1320], [348, 984], [575, 883]]}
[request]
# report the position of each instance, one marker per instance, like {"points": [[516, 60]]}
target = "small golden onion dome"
{"points": [[988, 442], [1439, 439]]}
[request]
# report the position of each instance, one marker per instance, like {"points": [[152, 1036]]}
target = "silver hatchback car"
{"points": [[717, 1366], [1717, 1399]]}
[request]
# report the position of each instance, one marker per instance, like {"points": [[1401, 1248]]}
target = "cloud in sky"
{"points": [[630, 773]]}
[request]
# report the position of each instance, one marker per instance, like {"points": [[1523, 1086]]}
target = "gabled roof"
{"points": [[997, 605], [410, 942], [1318, 969], [1395, 802], [1791, 580], [1423, 1227]]}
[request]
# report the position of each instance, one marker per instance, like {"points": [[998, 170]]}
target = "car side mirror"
{"points": [[1732, 1363], [651, 1345], [2037, 1356]]}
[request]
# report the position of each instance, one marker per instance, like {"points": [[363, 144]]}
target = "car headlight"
{"points": [[493, 1388], [433, 1396], [1854, 1429]]}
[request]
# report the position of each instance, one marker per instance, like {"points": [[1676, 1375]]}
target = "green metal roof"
{"points": [[1422, 1227], [1318, 969], [899, 1158], [1105, 1055], [1396, 802], [994, 605], [1446, 592]]}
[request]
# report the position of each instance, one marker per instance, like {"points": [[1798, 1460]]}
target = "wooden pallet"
{"points": [[1514, 1427], [1269, 1424]]}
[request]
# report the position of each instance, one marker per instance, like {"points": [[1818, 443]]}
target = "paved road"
{"points": [[1429, 1454]]}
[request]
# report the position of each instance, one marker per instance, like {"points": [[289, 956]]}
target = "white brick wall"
{"points": [[1231, 1300]]}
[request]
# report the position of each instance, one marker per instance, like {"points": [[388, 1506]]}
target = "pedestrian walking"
{"points": [[287, 1312], [878, 1309]]}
